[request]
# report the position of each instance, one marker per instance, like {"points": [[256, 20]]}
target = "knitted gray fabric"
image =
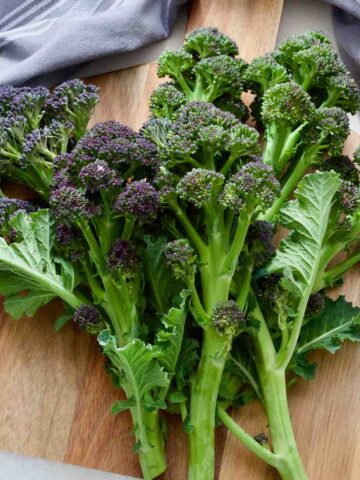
{"points": [[47, 41]]}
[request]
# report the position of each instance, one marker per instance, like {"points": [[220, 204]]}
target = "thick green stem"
{"points": [[149, 442], [204, 395], [273, 386]]}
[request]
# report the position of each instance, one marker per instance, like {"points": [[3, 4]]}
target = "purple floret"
{"points": [[68, 203], [9, 207], [228, 318], [349, 197], [85, 315], [139, 199], [123, 255], [99, 176], [255, 183], [260, 240]]}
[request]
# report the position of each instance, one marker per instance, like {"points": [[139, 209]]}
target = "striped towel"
{"points": [[47, 41]]}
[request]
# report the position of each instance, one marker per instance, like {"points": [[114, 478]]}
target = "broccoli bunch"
{"points": [[37, 125]]}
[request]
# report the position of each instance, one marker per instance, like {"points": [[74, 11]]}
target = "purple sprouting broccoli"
{"points": [[88, 318], [260, 242], [139, 199], [123, 255], [181, 259], [75, 101], [253, 187], [228, 318], [205, 136], [200, 186]]}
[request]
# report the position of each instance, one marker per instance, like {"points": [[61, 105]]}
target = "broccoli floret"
{"points": [[200, 186], [209, 42], [98, 176], [340, 91], [204, 135], [253, 186], [310, 58], [156, 130], [344, 166], [263, 73], [30, 103], [348, 197], [69, 204], [140, 200], [228, 318], [166, 100], [74, 101], [234, 106], [203, 70], [181, 259], [216, 76], [260, 242], [123, 255], [88, 318], [286, 110]]}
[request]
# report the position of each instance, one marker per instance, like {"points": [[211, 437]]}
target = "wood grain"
{"points": [[55, 396]]}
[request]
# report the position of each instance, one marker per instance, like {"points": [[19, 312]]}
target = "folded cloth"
{"points": [[48, 41], [346, 16]]}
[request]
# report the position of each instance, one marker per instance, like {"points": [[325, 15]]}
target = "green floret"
{"points": [[181, 259], [206, 136], [199, 135], [285, 111], [263, 73], [166, 100], [341, 91], [254, 186], [200, 186], [310, 58], [156, 130], [174, 63], [216, 76], [209, 42]]}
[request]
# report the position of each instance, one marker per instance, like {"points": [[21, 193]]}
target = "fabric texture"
{"points": [[346, 17], [48, 41]]}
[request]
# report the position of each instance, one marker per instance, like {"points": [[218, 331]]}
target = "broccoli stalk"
{"points": [[226, 195]]}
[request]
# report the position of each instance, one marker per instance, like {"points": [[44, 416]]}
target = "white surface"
{"points": [[301, 15], [16, 467]]}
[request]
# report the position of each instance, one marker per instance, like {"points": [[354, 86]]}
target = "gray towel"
{"points": [[346, 15], [48, 41]]}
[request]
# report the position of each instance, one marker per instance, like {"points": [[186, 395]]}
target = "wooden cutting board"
{"points": [[55, 395]]}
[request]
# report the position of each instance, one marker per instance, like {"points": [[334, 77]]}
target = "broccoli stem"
{"points": [[273, 387], [289, 186], [116, 302], [280, 146], [149, 442], [330, 277], [204, 395]]}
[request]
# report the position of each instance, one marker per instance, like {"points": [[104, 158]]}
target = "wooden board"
{"points": [[54, 394]]}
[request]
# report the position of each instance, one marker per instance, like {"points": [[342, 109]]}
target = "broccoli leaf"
{"points": [[28, 276], [140, 373], [162, 283], [169, 339], [338, 321], [307, 218]]}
